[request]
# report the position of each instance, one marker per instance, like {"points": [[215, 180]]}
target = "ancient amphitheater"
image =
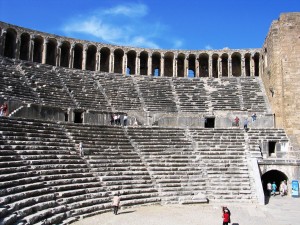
{"points": [[181, 145]]}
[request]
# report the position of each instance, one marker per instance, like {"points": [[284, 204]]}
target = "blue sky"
{"points": [[164, 24]]}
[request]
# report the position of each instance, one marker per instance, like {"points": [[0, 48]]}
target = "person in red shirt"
{"points": [[226, 216], [4, 109]]}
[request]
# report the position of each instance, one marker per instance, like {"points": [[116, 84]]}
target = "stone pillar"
{"points": [[252, 65], [31, 47], [111, 63], [71, 61], [229, 66], [219, 67], [58, 55], [124, 64], [209, 66], [84, 58], [243, 67], [185, 66], [149, 69], [98, 60], [2, 42], [137, 64], [196, 67], [175, 66], [44, 51], [162, 66], [17, 49]]}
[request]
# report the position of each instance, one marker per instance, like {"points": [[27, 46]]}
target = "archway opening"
{"points": [[273, 176]]}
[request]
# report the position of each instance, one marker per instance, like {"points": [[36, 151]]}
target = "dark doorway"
{"points": [[209, 122], [66, 117], [272, 147], [273, 176], [78, 117]]}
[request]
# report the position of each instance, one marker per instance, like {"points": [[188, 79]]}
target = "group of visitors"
{"points": [[116, 119], [3, 109], [272, 188], [246, 121]]}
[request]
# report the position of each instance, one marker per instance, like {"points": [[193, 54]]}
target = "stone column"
{"points": [[84, 58], [2, 42], [44, 51], [137, 64], [175, 66], [149, 69], [185, 66], [98, 60], [196, 67], [162, 65], [17, 49], [111, 63], [124, 64], [252, 65], [243, 67], [58, 55], [71, 61], [209, 66], [229, 66], [31, 48], [219, 67]]}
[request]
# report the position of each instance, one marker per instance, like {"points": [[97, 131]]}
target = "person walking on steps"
{"points": [[116, 203]]}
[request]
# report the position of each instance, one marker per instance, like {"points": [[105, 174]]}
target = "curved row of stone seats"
{"points": [[258, 136], [13, 84], [112, 158], [83, 89], [48, 86], [192, 95], [253, 97], [224, 93], [45, 180], [121, 91], [222, 152], [171, 161], [157, 93]]}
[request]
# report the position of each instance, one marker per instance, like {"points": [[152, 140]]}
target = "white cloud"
{"points": [[208, 47], [118, 25]]}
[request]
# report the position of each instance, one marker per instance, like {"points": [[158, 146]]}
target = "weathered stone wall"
{"points": [[281, 73]]}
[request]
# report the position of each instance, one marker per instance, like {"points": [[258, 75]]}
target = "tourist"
{"points": [[253, 117], [226, 215], [116, 202], [237, 121], [283, 188], [5, 109], [1, 110], [115, 119], [111, 119], [274, 187], [246, 124], [269, 188], [118, 119], [125, 120]]}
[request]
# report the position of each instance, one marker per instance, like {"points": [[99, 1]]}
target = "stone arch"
{"points": [[10, 43], [24, 46], [38, 49], [224, 60], [104, 59], [90, 60], [256, 64], [191, 65], [273, 175], [203, 65], [215, 65], [65, 54], [144, 63], [51, 52], [247, 65], [118, 56], [77, 61], [168, 64], [236, 64], [156, 70], [180, 65], [131, 61]]}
